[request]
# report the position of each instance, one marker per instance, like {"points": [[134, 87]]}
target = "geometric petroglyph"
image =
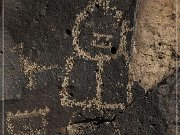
{"points": [[27, 123], [101, 41], [102, 45], [30, 68]]}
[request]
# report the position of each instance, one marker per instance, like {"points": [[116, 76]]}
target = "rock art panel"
{"points": [[27, 123], [102, 35]]}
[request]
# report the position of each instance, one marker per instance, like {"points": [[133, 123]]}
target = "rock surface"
{"points": [[72, 68], [155, 45]]}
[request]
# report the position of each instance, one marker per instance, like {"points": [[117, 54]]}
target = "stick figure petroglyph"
{"points": [[30, 68], [112, 27]]}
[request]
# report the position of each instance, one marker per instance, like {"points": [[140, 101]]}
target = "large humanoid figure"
{"points": [[96, 74]]}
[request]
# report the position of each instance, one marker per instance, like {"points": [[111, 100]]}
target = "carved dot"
{"points": [[40, 16], [87, 12], [68, 32], [97, 6], [71, 94], [113, 50], [173, 16], [159, 43], [80, 114], [160, 57]]}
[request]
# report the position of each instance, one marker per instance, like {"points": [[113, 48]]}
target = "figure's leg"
{"points": [[99, 89], [79, 85], [111, 85], [64, 93], [99, 81]]}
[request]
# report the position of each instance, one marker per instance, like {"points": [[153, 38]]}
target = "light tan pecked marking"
{"points": [[99, 80], [98, 36], [100, 58], [27, 115], [17, 47], [76, 30], [30, 68]]}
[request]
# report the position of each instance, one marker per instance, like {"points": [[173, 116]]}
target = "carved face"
{"points": [[98, 31]]}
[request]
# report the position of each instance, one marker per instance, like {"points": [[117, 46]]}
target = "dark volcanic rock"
{"points": [[67, 71]]}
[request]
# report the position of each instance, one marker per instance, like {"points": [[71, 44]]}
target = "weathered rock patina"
{"points": [[78, 67]]}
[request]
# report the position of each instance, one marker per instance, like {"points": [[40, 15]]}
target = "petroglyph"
{"points": [[30, 68], [26, 123], [17, 47], [98, 37], [102, 41]]}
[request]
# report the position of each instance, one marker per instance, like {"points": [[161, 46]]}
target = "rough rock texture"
{"points": [[49, 90], [168, 95], [155, 42]]}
